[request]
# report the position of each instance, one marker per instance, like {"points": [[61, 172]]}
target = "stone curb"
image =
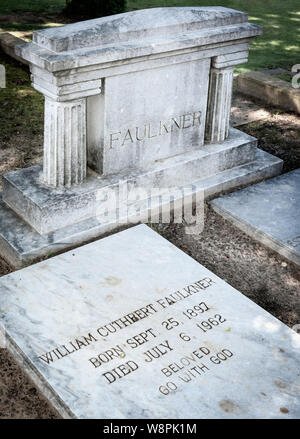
{"points": [[271, 90]]}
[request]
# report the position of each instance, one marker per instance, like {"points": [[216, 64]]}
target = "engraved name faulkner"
{"points": [[198, 361], [151, 130]]}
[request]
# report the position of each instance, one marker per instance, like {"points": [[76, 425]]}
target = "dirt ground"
{"points": [[259, 273], [22, 24]]}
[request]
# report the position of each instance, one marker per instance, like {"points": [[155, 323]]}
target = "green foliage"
{"points": [[94, 8]]}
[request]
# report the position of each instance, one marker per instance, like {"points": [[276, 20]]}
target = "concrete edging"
{"points": [[269, 89]]}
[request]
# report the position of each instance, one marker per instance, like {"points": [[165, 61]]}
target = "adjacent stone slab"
{"points": [[269, 212], [131, 327]]}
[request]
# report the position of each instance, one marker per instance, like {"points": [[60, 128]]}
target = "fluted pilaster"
{"points": [[65, 142], [219, 104]]}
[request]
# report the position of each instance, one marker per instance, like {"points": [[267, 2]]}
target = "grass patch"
{"points": [[21, 107]]}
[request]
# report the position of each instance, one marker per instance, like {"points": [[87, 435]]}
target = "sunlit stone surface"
{"points": [[269, 212]]}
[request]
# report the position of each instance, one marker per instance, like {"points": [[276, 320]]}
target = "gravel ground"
{"points": [[259, 273]]}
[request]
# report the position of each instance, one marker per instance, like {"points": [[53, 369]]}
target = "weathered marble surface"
{"points": [[128, 278], [269, 212]]}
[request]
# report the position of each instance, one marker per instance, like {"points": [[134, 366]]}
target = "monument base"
{"points": [[37, 220], [131, 327]]}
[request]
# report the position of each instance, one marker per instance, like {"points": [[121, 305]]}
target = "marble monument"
{"points": [[140, 99]]}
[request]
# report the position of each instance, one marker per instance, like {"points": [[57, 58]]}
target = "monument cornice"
{"points": [[132, 51]]}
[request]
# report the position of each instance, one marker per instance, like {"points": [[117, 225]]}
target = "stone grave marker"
{"points": [[269, 212], [138, 100], [132, 327]]}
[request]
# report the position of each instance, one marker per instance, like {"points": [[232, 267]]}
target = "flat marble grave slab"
{"points": [[269, 212], [132, 327]]}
